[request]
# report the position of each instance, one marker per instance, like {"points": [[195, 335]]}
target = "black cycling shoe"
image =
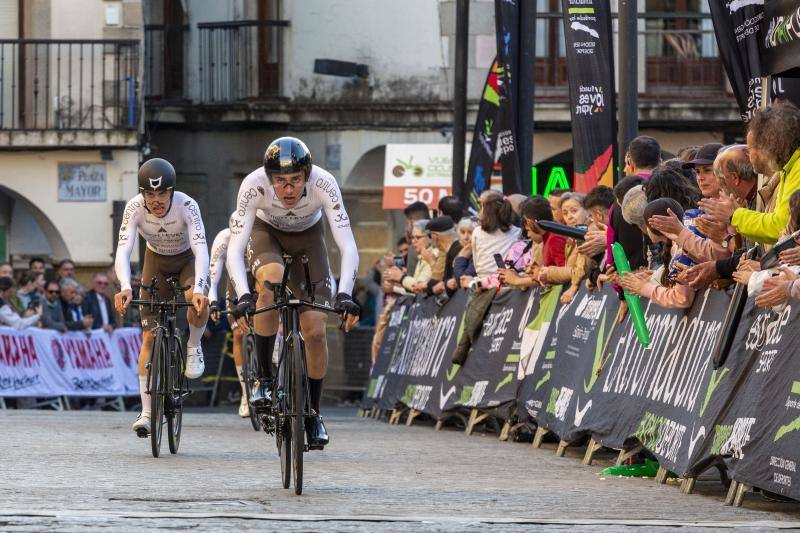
{"points": [[316, 433], [261, 395]]}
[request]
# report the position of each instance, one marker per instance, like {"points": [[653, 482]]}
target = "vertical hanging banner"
{"points": [[737, 25], [506, 17], [590, 69], [484, 140], [780, 31]]}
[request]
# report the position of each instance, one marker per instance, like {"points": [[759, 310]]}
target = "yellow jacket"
{"points": [[765, 227]]}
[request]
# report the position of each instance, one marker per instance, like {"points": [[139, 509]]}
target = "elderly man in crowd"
{"points": [[97, 305], [443, 235], [8, 316], [773, 139], [74, 317]]}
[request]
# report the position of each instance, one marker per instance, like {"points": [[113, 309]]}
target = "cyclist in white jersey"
{"points": [[219, 250], [170, 222], [279, 210]]}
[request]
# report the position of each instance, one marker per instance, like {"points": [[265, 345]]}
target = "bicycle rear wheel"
{"points": [[298, 409], [248, 371], [177, 384], [158, 378]]}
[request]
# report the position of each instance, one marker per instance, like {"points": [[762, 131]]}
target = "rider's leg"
{"points": [[266, 324], [197, 321], [238, 348], [144, 358], [312, 324]]}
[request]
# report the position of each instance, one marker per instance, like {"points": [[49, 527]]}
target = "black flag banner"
{"points": [[590, 69], [484, 140], [737, 25], [780, 32], [507, 30]]}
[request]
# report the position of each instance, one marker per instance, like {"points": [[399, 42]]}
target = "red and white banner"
{"points": [[44, 363], [417, 172]]}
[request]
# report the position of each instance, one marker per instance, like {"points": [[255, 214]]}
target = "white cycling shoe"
{"points": [[194, 362], [244, 407], [142, 426]]}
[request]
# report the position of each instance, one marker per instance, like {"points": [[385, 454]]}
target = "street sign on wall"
{"points": [[81, 182], [417, 172]]}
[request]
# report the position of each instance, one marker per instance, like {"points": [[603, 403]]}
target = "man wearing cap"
{"points": [[443, 235]]}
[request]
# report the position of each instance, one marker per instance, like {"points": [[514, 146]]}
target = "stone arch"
{"points": [[58, 247]]}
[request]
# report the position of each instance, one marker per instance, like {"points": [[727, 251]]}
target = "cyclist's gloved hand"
{"points": [[246, 304], [345, 305]]}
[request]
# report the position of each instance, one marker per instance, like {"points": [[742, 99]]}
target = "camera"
{"points": [[398, 261]]}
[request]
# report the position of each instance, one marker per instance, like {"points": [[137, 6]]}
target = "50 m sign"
{"points": [[417, 173]]}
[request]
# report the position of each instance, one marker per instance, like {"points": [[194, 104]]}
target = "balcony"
{"points": [[239, 60], [56, 93], [165, 46]]}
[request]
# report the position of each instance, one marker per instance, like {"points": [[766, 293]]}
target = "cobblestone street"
{"points": [[86, 470]]}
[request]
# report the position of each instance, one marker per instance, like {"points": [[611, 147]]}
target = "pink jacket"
{"points": [[700, 249]]}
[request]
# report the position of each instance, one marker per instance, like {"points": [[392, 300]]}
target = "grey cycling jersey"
{"points": [[257, 198], [174, 233]]}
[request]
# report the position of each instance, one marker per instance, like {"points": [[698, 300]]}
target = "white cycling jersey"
{"points": [[174, 233], [257, 198], [219, 249]]}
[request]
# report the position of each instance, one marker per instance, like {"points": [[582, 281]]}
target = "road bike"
{"points": [[291, 401], [166, 383]]}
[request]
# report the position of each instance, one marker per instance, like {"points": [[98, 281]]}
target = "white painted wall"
{"points": [[84, 226]]}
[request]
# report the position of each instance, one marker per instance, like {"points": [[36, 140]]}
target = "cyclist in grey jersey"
{"points": [[171, 224], [279, 209]]}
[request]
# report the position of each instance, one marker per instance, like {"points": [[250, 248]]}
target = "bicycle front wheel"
{"points": [[283, 434], [298, 409], [177, 384], [158, 379]]}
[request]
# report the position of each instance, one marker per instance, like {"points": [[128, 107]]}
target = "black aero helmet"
{"points": [[287, 155], [156, 175]]}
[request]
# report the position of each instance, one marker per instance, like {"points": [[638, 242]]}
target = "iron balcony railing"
{"points": [[240, 60], [69, 84], [165, 48], [680, 57]]}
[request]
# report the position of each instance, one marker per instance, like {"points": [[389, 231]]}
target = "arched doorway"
{"points": [[26, 231]]}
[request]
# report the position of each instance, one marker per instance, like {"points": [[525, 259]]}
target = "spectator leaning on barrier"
{"points": [[554, 197], [660, 287], [423, 270], [8, 316], [73, 315], [414, 213], [52, 314], [97, 305], [619, 230], [445, 239], [546, 249], [30, 289], [773, 139], [463, 268], [494, 235], [642, 157], [598, 203]]}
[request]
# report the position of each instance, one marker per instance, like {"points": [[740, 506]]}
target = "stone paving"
{"points": [[84, 470]]}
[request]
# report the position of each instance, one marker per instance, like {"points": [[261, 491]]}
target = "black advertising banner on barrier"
{"points": [[422, 354], [780, 31], [590, 69], [737, 26], [484, 141], [572, 354], [507, 30], [488, 378], [398, 320]]}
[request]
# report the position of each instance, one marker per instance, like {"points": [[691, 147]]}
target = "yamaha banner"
{"points": [[737, 25], [780, 31], [484, 140], [590, 68], [507, 29]]}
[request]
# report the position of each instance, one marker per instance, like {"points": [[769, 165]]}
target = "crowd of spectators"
{"points": [[700, 219], [49, 296]]}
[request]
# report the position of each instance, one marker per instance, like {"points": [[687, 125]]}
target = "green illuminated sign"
{"points": [[556, 180]]}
